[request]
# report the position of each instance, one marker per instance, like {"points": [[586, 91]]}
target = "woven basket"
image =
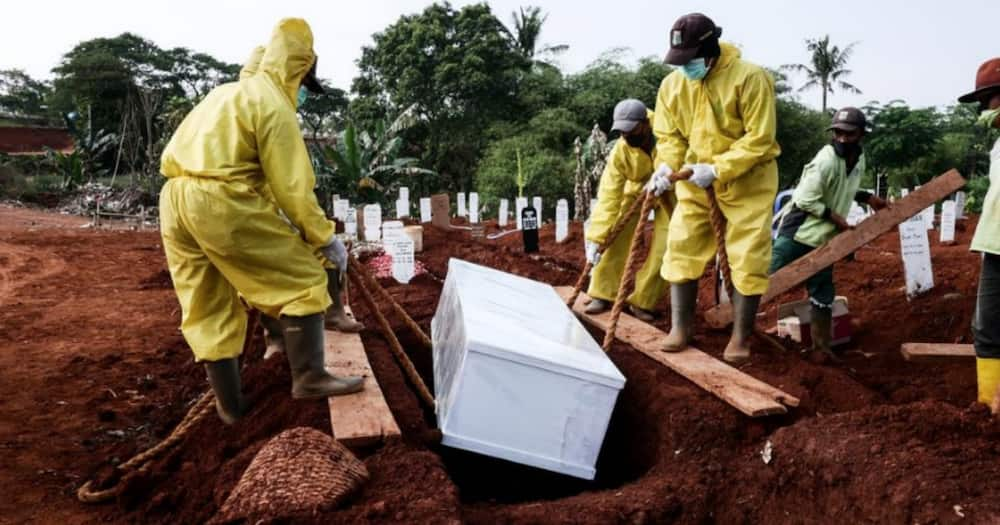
{"points": [[299, 472]]}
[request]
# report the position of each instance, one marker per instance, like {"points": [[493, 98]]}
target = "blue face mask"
{"points": [[696, 69], [303, 94]]}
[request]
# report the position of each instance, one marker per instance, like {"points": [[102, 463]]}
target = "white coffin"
{"points": [[516, 376]]}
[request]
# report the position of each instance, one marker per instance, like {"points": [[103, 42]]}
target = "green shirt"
{"points": [[987, 237], [825, 187]]}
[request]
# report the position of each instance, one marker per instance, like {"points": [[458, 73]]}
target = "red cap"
{"points": [[987, 79]]}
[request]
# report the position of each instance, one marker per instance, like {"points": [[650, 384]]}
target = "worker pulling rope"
{"points": [[612, 235], [141, 463]]}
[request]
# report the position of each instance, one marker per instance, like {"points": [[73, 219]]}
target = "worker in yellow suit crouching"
{"points": [[629, 168]]}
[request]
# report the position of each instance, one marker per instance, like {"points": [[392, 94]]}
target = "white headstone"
{"points": [[519, 204], [391, 230], [425, 209], [947, 222], [402, 208], [404, 193], [537, 204], [340, 207], [462, 212], [351, 222], [473, 207], [373, 222], [928, 217], [400, 249], [903, 192], [916, 256], [562, 220], [960, 205], [504, 211], [856, 215]]}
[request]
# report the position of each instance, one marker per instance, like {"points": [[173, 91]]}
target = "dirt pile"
{"points": [[876, 438]]}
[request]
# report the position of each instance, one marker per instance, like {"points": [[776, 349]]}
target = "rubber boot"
{"points": [[683, 297], [597, 306], [336, 318], [744, 316], [304, 348], [820, 328], [273, 336], [988, 381], [224, 376], [643, 315]]}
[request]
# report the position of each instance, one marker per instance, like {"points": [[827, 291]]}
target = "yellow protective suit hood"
{"points": [[252, 63], [289, 55]]}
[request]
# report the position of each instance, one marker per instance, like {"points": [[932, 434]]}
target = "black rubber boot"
{"points": [[683, 298], [304, 348], [744, 317], [820, 328], [224, 376], [336, 318], [273, 336]]}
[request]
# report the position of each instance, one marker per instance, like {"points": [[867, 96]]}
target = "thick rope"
{"points": [[628, 281], [612, 235], [372, 284], [404, 360], [141, 463]]}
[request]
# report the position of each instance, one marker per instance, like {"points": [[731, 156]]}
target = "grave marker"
{"points": [[462, 212], [947, 234], [425, 209], [504, 211], [562, 220], [530, 231], [474, 207], [916, 257], [960, 205], [351, 223], [400, 248], [519, 205], [441, 211], [537, 204], [340, 207]]}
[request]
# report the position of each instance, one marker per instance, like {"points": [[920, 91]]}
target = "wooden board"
{"points": [[848, 242], [441, 210], [935, 351], [751, 396], [363, 418]]}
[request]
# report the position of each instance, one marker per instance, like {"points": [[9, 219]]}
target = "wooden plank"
{"points": [[441, 210], [751, 396], [363, 418], [848, 242], [935, 351]]}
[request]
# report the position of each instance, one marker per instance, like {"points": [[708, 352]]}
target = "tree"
{"points": [[528, 24], [801, 133], [595, 90], [827, 65], [366, 165], [901, 141], [322, 114], [22, 95], [458, 65]]}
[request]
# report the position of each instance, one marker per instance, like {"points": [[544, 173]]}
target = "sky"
{"points": [[924, 52]]}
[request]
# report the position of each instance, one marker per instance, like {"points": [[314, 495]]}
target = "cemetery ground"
{"points": [[94, 370]]}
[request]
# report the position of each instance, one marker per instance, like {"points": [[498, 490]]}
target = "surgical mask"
{"points": [[696, 69], [988, 117], [846, 149], [636, 141], [303, 95]]}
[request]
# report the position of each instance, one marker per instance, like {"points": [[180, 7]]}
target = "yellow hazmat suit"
{"points": [[727, 120], [223, 239], [626, 173]]}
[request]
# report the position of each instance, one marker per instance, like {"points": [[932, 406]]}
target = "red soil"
{"points": [[92, 349]]}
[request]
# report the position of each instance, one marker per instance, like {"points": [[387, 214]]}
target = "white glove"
{"points": [[704, 174], [660, 181], [592, 254], [336, 253]]}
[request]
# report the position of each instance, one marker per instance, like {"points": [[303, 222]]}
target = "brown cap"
{"points": [[987, 79], [687, 35], [848, 119]]}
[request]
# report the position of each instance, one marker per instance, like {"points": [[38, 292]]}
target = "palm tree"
{"points": [[527, 30], [826, 67], [369, 165]]}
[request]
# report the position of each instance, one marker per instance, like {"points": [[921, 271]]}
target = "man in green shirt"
{"points": [[817, 212], [986, 321]]}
